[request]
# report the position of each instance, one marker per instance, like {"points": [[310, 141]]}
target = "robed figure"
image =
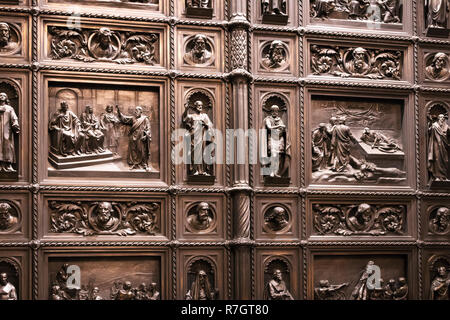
{"points": [[440, 285], [361, 291], [9, 125], [438, 149], [341, 143], [65, 128], [109, 122], [276, 289], [91, 128], [201, 288], [200, 133], [437, 11], [320, 147], [140, 136]]}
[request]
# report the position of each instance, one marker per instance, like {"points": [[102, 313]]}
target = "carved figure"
{"points": [[90, 126], [201, 288], [65, 127], [6, 44], [361, 292], [105, 48], [200, 133], [140, 136], [322, 8], [278, 146], [276, 219], [326, 291], [104, 217], [276, 288], [198, 3], [440, 285], [358, 9], [379, 141], [441, 222], [438, 68], [9, 126], [7, 290], [202, 219], [275, 7], [276, 56], [108, 123], [199, 53], [437, 13], [438, 145], [340, 145], [7, 219], [321, 152]]}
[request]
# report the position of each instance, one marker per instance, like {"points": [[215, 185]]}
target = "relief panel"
{"points": [[277, 218], [436, 219], [15, 213], [200, 50], [201, 217], [200, 103], [93, 44], [377, 219], [276, 117], [98, 129], [15, 274], [102, 217], [132, 275], [275, 12], [434, 65], [137, 7], [393, 276], [15, 117], [277, 275], [436, 274], [202, 274], [359, 140], [200, 9], [275, 55], [14, 39], [370, 15]]}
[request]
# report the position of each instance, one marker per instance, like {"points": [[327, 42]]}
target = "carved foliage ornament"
{"points": [[386, 11], [356, 62], [103, 45], [363, 219], [105, 218], [10, 274]]}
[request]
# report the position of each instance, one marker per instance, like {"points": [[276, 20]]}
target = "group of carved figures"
{"points": [[74, 136], [120, 290], [332, 150], [364, 288]]}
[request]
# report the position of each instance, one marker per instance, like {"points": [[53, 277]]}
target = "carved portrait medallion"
{"points": [[10, 217], [277, 219], [201, 218], [10, 39], [199, 51], [437, 66], [275, 55]]}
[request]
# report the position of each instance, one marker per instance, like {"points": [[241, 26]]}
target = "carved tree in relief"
{"points": [[105, 218], [103, 45]]}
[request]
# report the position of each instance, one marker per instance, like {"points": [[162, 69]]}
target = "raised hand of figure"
{"points": [[117, 108]]}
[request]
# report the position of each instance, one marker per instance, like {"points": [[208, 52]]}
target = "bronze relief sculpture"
{"points": [[357, 62], [9, 39], [438, 144], [198, 51], [9, 127], [276, 288], [274, 11], [105, 218], [439, 267], [275, 56], [437, 67], [9, 217], [326, 291], [277, 220], [7, 290], [103, 45], [199, 8], [363, 219], [201, 218], [439, 221]]}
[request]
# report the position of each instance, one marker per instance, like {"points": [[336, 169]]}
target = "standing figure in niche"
{"points": [[276, 289], [140, 136], [9, 125], [91, 129], [7, 290], [320, 147], [200, 131], [67, 128], [437, 13], [274, 7], [438, 145], [277, 143], [440, 285], [198, 3], [340, 145], [109, 122], [201, 288]]}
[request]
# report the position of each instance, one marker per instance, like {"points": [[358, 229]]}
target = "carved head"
{"points": [[401, 281], [441, 118], [342, 120], [278, 217], [322, 127], [364, 212], [442, 271], [274, 111], [359, 53], [95, 291], [333, 121], [138, 112], [203, 212], [366, 130], [3, 98], [3, 279], [5, 33], [276, 51], [277, 275], [104, 212], [442, 218], [105, 36], [64, 106], [324, 283], [369, 265], [439, 61], [109, 108], [142, 287], [391, 283], [199, 44], [198, 105], [5, 210], [202, 277], [127, 285], [89, 109]]}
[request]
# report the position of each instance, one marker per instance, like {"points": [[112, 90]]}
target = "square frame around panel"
{"points": [[18, 262]]}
